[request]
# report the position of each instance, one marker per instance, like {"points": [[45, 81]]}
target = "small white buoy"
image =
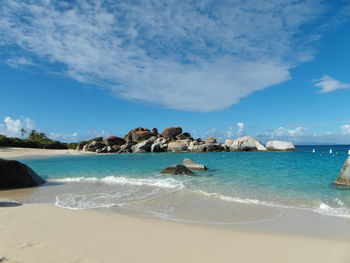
{"points": [[313, 150], [330, 151]]}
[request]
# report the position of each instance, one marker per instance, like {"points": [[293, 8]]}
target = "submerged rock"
{"points": [[246, 143], [17, 174], [280, 146], [193, 165], [344, 175], [177, 170]]}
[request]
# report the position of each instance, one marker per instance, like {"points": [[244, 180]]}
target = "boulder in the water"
{"points": [[177, 170], [344, 176], [280, 146], [193, 165], [15, 174]]}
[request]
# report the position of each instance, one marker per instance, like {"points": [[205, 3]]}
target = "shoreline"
{"points": [[21, 153], [38, 233]]}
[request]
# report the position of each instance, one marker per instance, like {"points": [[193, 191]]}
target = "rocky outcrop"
{"points": [[344, 175], [15, 174], [114, 140], [171, 132], [177, 170], [177, 146], [144, 146], [246, 143], [280, 146], [160, 145], [210, 140], [193, 165]]}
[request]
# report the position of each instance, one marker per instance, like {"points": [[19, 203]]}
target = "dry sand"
{"points": [[15, 152], [45, 233]]}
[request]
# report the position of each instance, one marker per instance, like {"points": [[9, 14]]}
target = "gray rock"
{"points": [[114, 140], [246, 143], [280, 146], [213, 147], [193, 165], [197, 148], [17, 174], [171, 132], [144, 146], [210, 140], [344, 175], [177, 146], [94, 146], [177, 170]]}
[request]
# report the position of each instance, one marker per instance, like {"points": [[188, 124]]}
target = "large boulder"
{"points": [[126, 148], [193, 165], [197, 148], [141, 136], [95, 146], [177, 146], [213, 147], [246, 143], [280, 146], [17, 174], [177, 170], [159, 145], [210, 140], [171, 132], [143, 147], [344, 175], [114, 140]]}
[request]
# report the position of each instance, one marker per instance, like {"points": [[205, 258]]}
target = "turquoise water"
{"points": [[300, 179]]}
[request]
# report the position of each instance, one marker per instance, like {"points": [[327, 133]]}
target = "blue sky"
{"points": [[270, 68]]}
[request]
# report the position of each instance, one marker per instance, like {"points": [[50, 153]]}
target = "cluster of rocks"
{"points": [[184, 168], [173, 139]]}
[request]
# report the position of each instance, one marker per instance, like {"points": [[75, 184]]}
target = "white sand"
{"points": [[44, 233], [14, 152]]}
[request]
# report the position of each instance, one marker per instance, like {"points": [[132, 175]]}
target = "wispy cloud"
{"points": [[345, 129], [329, 84], [184, 55]]}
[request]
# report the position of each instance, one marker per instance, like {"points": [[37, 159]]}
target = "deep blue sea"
{"points": [[302, 179]]}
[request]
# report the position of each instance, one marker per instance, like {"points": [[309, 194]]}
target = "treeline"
{"points": [[34, 140]]}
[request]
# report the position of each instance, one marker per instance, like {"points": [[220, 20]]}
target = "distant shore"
{"points": [[14, 152]]}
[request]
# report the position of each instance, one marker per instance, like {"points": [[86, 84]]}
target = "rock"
{"points": [[193, 165], [246, 143], [280, 146], [141, 135], [197, 148], [210, 140], [102, 150], [159, 145], [177, 169], [143, 147], [17, 174], [213, 147], [155, 131], [181, 137], [177, 146], [114, 140], [171, 132], [80, 146], [228, 142], [85, 148], [344, 175], [126, 148], [128, 136], [94, 146]]}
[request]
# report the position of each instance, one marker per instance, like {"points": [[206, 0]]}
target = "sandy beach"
{"points": [[45, 233], [17, 152]]}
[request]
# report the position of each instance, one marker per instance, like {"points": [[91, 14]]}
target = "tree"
{"points": [[23, 131]]}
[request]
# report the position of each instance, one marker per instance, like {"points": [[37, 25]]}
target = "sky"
{"points": [[272, 69]]}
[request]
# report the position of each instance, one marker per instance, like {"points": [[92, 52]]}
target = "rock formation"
{"points": [[193, 165], [280, 146], [344, 175], [177, 170], [246, 143], [16, 174]]}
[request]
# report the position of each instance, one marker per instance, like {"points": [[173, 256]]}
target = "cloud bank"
{"points": [[11, 127], [184, 55]]}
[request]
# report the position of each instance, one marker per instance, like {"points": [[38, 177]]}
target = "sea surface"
{"points": [[132, 182]]}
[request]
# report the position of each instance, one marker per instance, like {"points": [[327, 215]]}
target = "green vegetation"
{"points": [[35, 140]]}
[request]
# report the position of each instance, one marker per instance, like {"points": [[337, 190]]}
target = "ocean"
{"points": [[132, 183]]}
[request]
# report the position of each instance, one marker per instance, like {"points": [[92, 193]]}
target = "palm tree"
{"points": [[23, 131]]}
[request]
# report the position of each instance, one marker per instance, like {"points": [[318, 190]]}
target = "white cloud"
{"points": [[64, 137], [329, 84], [281, 131], [11, 127], [196, 56], [345, 129]]}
